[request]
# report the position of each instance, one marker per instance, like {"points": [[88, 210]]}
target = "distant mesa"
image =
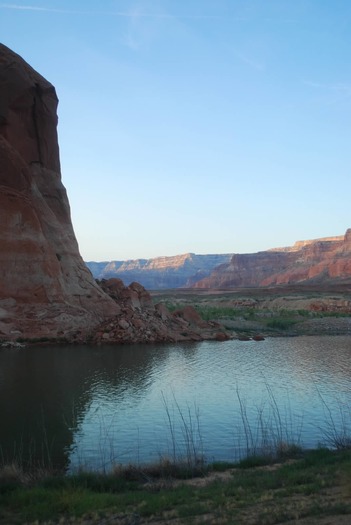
{"points": [[180, 271], [324, 261]]}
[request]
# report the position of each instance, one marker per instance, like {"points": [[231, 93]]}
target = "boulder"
{"points": [[140, 321]]}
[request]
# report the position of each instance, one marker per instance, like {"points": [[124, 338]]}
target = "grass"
{"points": [[272, 321], [210, 312], [255, 494]]}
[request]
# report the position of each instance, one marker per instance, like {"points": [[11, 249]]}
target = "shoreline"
{"points": [[308, 487]]}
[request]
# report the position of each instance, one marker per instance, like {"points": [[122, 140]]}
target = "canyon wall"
{"points": [[321, 261], [161, 272], [45, 287]]}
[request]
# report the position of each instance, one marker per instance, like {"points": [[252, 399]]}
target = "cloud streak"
{"points": [[258, 66], [333, 93], [131, 14], [30, 8], [336, 87]]}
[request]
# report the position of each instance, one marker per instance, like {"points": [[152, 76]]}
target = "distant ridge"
{"points": [[177, 271], [322, 261]]}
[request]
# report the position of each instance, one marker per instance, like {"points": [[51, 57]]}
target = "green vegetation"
{"points": [[210, 312], [280, 323], [273, 316], [248, 493], [252, 314]]}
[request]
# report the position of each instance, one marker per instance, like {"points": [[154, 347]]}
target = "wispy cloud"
{"points": [[334, 92], [259, 66], [62, 11], [31, 8], [127, 14], [336, 86]]}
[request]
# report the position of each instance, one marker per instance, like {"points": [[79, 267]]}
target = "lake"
{"points": [[97, 406]]}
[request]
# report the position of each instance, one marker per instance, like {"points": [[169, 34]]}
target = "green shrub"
{"points": [[280, 323]]}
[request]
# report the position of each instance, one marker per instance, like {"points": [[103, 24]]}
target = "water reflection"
{"points": [[97, 405], [45, 392]]}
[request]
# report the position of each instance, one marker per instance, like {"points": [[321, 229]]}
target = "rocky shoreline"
{"points": [[139, 320]]}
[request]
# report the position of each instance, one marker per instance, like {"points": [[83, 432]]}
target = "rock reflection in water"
{"points": [[94, 406], [45, 392]]}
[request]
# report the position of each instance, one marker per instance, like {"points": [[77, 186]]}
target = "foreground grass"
{"points": [[316, 485]]}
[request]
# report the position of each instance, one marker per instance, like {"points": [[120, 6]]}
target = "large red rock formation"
{"points": [[45, 287], [46, 291], [323, 261]]}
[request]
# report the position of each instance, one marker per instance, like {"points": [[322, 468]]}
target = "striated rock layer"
{"points": [[159, 273], [321, 261], [45, 288]]}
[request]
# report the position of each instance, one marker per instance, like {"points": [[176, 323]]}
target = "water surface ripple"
{"points": [[98, 406]]}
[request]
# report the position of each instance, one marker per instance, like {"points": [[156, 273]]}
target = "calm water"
{"points": [[95, 406]]}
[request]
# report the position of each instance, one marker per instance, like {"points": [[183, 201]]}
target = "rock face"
{"points": [[45, 287], [161, 272], [323, 261]]}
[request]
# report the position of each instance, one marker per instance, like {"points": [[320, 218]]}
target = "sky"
{"points": [[204, 126]]}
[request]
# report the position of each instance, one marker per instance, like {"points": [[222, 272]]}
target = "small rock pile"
{"points": [[140, 321]]}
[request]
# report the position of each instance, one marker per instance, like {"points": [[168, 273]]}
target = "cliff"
{"points": [[161, 272], [320, 261], [46, 290], [45, 287]]}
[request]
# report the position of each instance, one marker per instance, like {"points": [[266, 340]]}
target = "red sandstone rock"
{"points": [[45, 287], [321, 261], [140, 321], [190, 315]]}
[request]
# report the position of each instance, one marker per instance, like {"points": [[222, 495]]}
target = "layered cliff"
{"points": [[323, 261], [161, 272], [45, 287], [46, 290]]}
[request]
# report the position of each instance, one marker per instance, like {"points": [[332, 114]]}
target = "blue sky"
{"points": [[209, 126]]}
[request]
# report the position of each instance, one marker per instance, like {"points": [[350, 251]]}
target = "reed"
{"points": [[268, 433], [261, 433], [185, 435], [336, 431]]}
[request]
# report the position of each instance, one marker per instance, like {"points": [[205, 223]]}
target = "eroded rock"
{"points": [[324, 261], [45, 287], [151, 323]]}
